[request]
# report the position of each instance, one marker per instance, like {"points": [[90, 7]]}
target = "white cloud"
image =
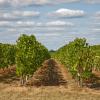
{"points": [[96, 29], [28, 2], [39, 24], [48, 34], [65, 1], [25, 13], [15, 2], [35, 27], [46, 24], [25, 23], [92, 1], [67, 13], [94, 23], [4, 23], [30, 24], [59, 23], [41, 2], [18, 14], [18, 3], [2, 1], [34, 2], [98, 14]]}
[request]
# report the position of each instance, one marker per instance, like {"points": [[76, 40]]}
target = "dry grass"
{"points": [[46, 93], [9, 90]]}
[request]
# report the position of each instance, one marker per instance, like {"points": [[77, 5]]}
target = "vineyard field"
{"points": [[29, 71]]}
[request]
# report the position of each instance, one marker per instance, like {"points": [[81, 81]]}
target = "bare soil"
{"points": [[10, 89]]}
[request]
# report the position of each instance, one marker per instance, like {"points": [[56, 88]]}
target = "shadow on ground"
{"points": [[96, 85], [9, 78]]}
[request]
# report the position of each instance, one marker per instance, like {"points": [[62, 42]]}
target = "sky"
{"points": [[53, 22]]}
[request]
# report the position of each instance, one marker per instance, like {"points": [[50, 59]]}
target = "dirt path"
{"points": [[71, 84], [52, 73]]}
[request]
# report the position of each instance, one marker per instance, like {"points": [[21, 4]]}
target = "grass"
{"points": [[46, 93]]}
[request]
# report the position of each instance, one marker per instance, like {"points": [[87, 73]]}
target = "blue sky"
{"points": [[53, 22]]}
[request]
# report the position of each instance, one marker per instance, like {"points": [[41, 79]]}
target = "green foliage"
{"points": [[77, 56], [86, 74], [97, 63], [7, 55], [96, 49], [30, 55]]}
